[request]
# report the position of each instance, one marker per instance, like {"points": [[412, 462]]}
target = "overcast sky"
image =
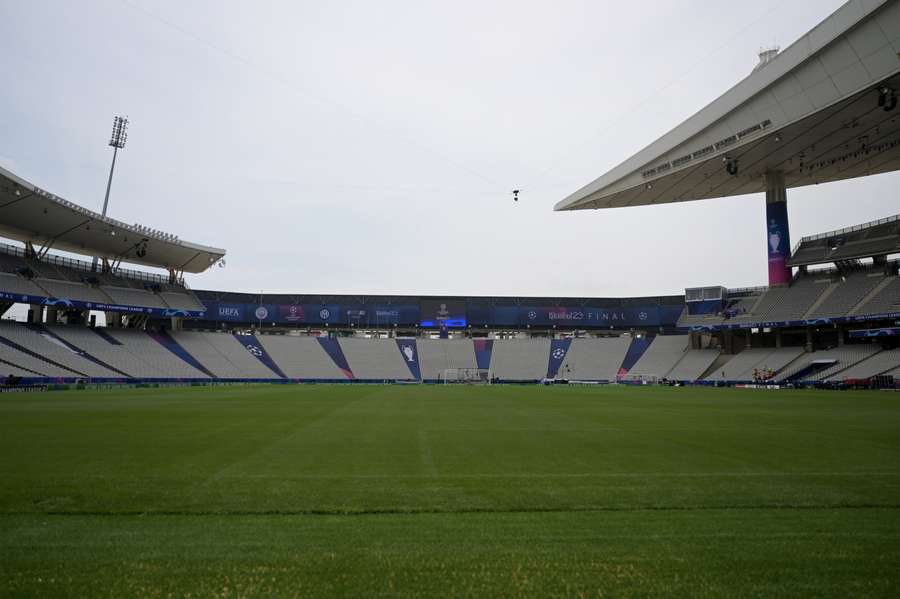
{"points": [[370, 147]]}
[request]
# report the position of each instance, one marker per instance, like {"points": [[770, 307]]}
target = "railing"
{"points": [[758, 289], [87, 267], [845, 230]]}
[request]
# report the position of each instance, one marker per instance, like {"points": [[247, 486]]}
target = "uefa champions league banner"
{"points": [[483, 351], [559, 349], [64, 304], [336, 353], [446, 313], [590, 317], [313, 314], [381, 315], [255, 349], [779, 243], [574, 316], [410, 355]]}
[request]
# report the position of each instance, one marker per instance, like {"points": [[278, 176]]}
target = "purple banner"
{"points": [[483, 349], [637, 348], [334, 351], [778, 241]]}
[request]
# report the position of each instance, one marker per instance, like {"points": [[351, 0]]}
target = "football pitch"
{"points": [[449, 491]]}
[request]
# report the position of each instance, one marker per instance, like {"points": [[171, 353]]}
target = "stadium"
{"points": [[165, 440]]}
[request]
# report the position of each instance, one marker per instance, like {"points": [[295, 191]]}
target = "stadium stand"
{"points": [[112, 351], [885, 298], [40, 341], [302, 357], [846, 294], [660, 358], [520, 359], [818, 294], [438, 355], [692, 365], [25, 357], [66, 278], [876, 238], [880, 363], [826, 365], [796, 300], [741, 366], [222, 355], [595, 359], [375, 359], [154, 355]]}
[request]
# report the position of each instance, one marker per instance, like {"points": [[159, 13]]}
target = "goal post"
{"points": [[470, 376]]}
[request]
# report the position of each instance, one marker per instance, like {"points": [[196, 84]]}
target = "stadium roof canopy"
{"points": [[33, 215], [824, 109], [877, 238]]}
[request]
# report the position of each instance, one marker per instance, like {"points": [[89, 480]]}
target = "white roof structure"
{"points": [[31, 214], [818, 111]]}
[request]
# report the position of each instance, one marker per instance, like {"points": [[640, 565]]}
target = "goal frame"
{"points": [[467, 376]]}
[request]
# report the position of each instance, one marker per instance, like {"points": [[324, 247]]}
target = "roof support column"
{"points": [[778, 237]]}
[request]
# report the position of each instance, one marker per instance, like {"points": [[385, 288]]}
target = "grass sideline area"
{"points": [[343, 490]]}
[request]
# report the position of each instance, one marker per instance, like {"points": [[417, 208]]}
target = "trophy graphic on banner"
{"points": [[408, 352], [774, 238]]}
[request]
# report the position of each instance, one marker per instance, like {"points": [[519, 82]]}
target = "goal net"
{"points": [[466, 375]]}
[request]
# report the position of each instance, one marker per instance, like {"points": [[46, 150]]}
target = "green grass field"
{"points": [[314, 491]]}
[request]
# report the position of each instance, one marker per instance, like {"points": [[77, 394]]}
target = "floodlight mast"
{"points": [[117, 141]]}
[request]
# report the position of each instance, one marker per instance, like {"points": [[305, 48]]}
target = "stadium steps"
{"points": [[44, 331], [166, 340], [821, 299], [693, 364], [106, 336], [18, 370], [759, 300], [881, 363], [872, 294], [26, 351], [716, 366]]}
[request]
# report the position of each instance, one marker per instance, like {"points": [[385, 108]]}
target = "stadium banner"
{"points": [[67, 304], [410, 355], [443, 313], [440, 313], [336, 353], [483, 349], [227, 312], [884, 332], [589, 317], [559, 349], [776, 324], [255, 349], [778, 241], [637, 348], [375, 315]]}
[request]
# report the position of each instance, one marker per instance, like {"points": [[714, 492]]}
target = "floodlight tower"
{"points": [[117, 141]]}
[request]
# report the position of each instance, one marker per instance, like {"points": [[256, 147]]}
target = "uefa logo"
{"points": [[261, 313], [532, 315], [256, 351], [558, 353], [642, 316], [324, 314]]}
